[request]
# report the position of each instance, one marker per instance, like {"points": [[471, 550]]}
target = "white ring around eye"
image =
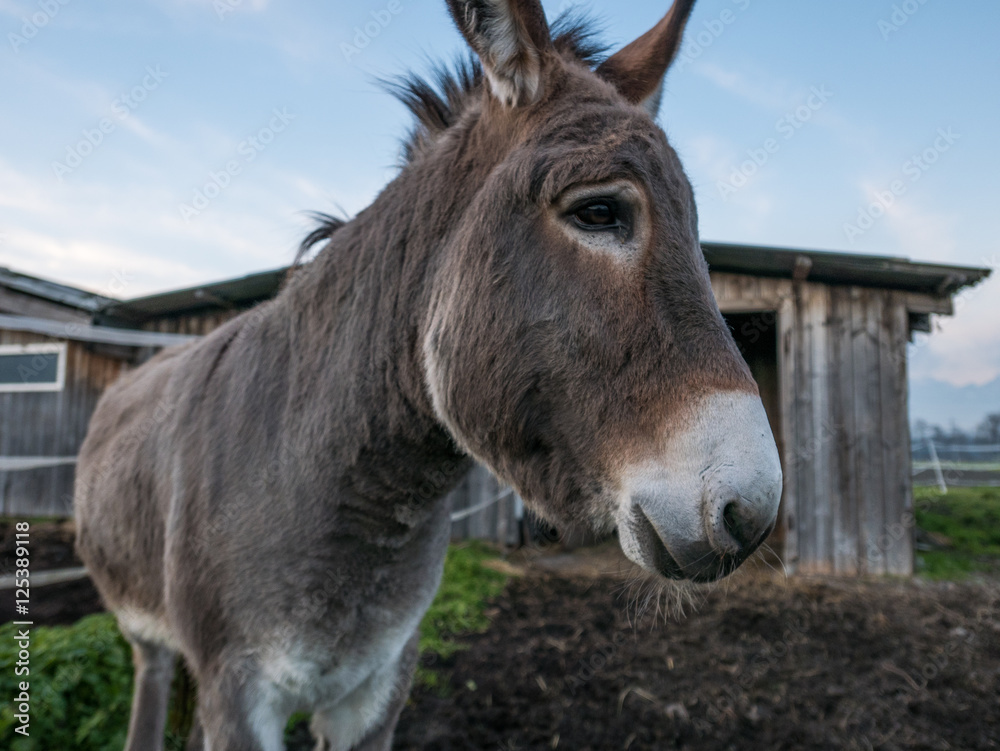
{"points": [[624, 246]]}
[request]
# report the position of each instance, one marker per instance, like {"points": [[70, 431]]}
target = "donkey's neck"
{"points": [[359, 309]]}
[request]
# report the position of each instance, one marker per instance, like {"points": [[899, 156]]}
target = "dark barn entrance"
{"points": [[756, 335]]}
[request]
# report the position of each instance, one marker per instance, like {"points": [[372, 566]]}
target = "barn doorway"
{"points": [[756, 334]]}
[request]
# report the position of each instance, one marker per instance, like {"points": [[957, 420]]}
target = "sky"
{"points": [[156, 144]]}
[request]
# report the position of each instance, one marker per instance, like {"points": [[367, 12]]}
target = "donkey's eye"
{"points": [[597, 214]]}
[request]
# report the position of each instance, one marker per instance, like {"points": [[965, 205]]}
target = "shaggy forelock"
{"points": [[438, 100]]}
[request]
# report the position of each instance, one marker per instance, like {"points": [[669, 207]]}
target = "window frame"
{"points": [[38, 348]]}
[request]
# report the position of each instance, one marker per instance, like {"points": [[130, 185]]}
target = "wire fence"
{"points": [[956, 465]]}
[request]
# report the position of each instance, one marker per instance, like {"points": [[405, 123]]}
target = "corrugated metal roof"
{"points": [[53, 291], [231, 293], [842, 268]]}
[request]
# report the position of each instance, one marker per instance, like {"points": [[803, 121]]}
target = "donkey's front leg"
{"points": [[336, 729], [238, 711], [154, 670], [380, 738]]}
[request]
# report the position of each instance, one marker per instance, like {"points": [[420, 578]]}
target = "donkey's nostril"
{"points": [[735, 525]]}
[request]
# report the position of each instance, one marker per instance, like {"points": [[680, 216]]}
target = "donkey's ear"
{"points": [[638, 70], [510, 37]]}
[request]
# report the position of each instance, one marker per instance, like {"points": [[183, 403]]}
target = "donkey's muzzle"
{"points": [[711, 499], [700, 561]]}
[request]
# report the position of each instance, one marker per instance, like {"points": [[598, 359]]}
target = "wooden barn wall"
{"points": [[847, 502], [50, 423]]}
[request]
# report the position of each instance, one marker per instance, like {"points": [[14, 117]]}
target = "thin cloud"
{"points": [[102, 267], [774, 95]]}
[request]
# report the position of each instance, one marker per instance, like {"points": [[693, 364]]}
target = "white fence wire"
{"points": [[965, 465]]}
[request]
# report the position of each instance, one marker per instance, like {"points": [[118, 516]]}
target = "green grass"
{"points": [[970, 519], [981, 466], [459, 607], [81, 675]]}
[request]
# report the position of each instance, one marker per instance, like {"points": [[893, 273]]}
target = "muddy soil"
{"points": [[759, 663], [50, 543]]}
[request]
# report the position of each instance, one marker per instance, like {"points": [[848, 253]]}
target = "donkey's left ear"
{"points": [[637, 70], [510, 37]]}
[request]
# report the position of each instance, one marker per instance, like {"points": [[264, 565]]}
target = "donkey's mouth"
{"points": [[653, 550], [702, 563]]}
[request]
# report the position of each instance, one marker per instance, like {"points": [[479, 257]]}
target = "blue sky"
{"points": [[826, 104]]}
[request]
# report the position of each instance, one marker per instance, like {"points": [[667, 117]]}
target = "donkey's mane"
{"points": [[437, 101]]}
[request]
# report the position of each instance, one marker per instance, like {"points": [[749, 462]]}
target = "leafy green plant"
{"points": [[80, 687]]}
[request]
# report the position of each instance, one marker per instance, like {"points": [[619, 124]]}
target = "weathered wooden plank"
{"points": [[917, 302], [733, 296], [720, 288], [862, 434], [791, 518], [843, 503], [873, 496], [899, 493], [808, 561], [891, 500], [818, 465]]}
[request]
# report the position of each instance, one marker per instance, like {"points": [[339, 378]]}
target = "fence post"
{"points": [[937, 466]]}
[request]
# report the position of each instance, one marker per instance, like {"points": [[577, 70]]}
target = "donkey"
{"points": [[529, 292]]}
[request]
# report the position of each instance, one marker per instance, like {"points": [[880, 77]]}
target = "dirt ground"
{"points": [[50, 543], [757, 663]]}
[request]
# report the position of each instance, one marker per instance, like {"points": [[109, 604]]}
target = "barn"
{"points": [[54, 365], [825, 335]]}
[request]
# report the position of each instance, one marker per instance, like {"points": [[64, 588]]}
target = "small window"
{"points": [[32, 367]]}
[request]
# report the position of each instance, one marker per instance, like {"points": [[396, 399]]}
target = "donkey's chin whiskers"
{"points": [[662, 600]]}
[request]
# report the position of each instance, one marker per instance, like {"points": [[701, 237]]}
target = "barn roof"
{"points": [[827, 267], [237, 293], [887, 272], [52, 292]]}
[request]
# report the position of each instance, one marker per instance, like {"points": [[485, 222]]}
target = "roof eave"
{"points": [[886, 272]]}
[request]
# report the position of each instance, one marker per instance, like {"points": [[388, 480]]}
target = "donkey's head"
{"points": [[573, 343]]}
